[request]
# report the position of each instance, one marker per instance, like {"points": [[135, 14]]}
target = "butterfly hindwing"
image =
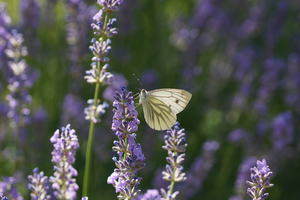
{"points": [[157, 114]]}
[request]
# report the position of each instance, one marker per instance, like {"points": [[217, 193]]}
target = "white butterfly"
{"points": [[161, 106]]}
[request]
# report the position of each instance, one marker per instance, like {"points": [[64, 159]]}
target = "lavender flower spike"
{"points": [[8, 188], [150, 195], [125, 177], [175, 144], [260, 177], [63, 155], [110, 5], [38, 185]]}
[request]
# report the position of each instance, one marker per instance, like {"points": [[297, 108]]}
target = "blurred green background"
{"points": [[199, 46]]}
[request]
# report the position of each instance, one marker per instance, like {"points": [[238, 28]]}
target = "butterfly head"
{"points": [[143, 95]]}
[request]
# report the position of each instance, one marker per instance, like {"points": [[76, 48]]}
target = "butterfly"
{"points": [[161, 106]]}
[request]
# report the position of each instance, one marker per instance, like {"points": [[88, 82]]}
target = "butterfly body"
{"points": [[161, 106]]}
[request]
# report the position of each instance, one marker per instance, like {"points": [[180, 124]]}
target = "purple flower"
{"points": [[237, 135], [175, 144], [30, 13], [98, 27], [292, 82], [98, 16], [72, 111], [199, 169], [4, 17], [38, 185], [94, 112], [63, 155], [125, 177], [150, 195], [4, 22], [269, 82], [243, 174], [283, 130], [20, 79], [117, 82], [150, 79], [8, 188], [104, 78], [125, 119], [78, 19], [260, 180], [100, 49], [110, 5]]}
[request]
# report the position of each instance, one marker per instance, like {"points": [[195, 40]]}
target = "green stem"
{"points": [[172, 185], [125, 153], [90, 142], [91, 131]]}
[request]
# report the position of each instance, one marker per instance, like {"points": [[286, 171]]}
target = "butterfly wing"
{"points": [[157, 114], [175, 99]]}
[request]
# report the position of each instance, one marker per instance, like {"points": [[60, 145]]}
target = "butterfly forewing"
{"points": [[157, 114], [175, 99]]}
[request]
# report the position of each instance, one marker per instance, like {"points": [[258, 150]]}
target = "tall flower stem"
{"points": [[91, 130], [90, 141]]}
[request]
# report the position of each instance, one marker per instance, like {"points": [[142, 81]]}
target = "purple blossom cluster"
{"points": [[175, 144], [78, 18], [125, 119], [283, 130], [242, 177], [63, 155], [73, 106], [8, 188], [110, 5], [104, 76], [260, 180], [100, 47], [30, 11], [199, 170], [38, 184], [4, 22], [131, 159], [20, 79], [93, 113], [151, 194], [291, 82], [268, 83]]}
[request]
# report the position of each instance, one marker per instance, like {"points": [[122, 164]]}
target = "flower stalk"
{"points": [[98, 74]]}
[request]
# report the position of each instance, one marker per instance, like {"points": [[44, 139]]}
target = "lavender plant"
{"points": [[248, 59], [131, 159], [175, 144], [8, 188], [199, 170], [98, 74], [38, 184], [243, 175], [63, 155], [260, 180], [20, 80], [4, 22]]}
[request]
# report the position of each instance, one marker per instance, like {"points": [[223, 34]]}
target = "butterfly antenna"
{"points": [[138, 80]]}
